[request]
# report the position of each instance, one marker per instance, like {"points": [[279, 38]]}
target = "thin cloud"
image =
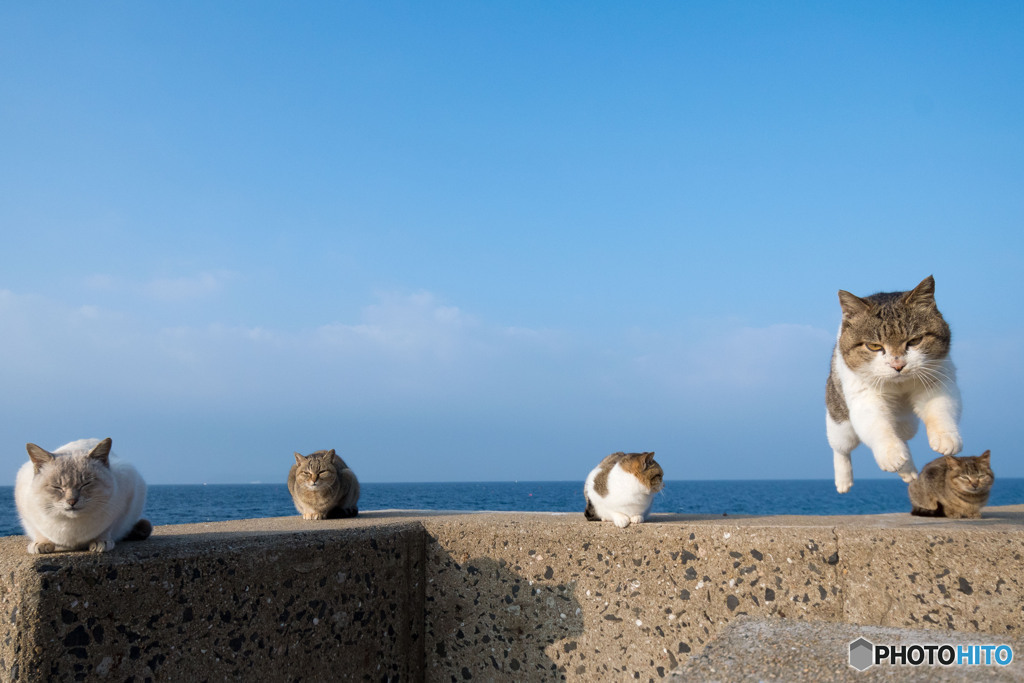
{"points": [[731, 359], [403, 347], [176, 289], [414, 325]]}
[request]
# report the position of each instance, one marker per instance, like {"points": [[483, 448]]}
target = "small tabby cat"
{"points": [[78, 497], [323, 487], [952, 487], [891, 366], [621, 489]]}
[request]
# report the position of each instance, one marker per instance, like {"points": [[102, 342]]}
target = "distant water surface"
{"points": [[168, 504]]}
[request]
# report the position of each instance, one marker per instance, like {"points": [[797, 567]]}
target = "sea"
{"points": [[184, 504]]}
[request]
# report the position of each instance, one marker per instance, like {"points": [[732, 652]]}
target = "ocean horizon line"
{"points": [[537, 481], [188, 503]]}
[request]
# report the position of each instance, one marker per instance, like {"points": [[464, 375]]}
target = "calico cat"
{"points": [[952, 487], [621, 489], [78, 497], [891, 366], [323, 487]]}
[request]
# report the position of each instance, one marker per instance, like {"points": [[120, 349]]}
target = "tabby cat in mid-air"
{"points": [[891, 366]]}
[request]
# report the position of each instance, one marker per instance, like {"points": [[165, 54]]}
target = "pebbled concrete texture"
{"points": [[909, 578], [752, 650], [589, 601], [400, 595], [215, 602]]}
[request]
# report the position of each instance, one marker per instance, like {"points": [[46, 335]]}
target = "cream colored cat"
{"points": [[78, 497], [890, 367]]}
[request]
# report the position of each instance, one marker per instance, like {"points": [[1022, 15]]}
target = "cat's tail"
{"points": [[925, 512], [342, 513], [139, 532]]}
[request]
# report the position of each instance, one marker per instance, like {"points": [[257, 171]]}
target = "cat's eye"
{"points": [[874, 347], [915, 341]]}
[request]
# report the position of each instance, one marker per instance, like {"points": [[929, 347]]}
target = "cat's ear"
{"points": [[648, 458], [299, 458], [38, 456], [951, 461], [852, 304], [331, 453], [986, 457], [923, 294], [101, 451]]}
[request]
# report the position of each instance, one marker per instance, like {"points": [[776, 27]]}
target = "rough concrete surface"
{"points": [[805, 652], [402, 595], [219, 605], [595, 602]]}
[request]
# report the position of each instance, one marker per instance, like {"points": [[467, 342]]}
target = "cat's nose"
{"points": [[897, 364], [72, 502]]}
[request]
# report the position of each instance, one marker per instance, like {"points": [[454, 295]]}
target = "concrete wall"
{"points": [[225, 604], [490, 596]]}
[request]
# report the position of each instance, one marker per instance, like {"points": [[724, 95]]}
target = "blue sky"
{"points": [[494, 241]]}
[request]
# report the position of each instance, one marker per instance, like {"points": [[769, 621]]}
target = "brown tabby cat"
{"points": [[951, 486], [323, 487]]}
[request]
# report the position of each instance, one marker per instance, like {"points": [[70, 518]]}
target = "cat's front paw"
{"points": [[313, 515], [636, 519], [947, 443], [41, 548], [894, 458], [908, 471], [101, 545], [844, 481], [620, 520]]}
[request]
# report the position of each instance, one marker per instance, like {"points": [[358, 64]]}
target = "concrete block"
{"points": [[407, 595], [552, 596], [316, 603]]}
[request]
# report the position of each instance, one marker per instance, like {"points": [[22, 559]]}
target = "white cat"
{"points": [[890, 367], [77, 498], [621, 489]]}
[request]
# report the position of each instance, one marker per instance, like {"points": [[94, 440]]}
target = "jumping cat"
{"points": [[621, 489], [952, 487], [891, 366], [323, 487], [78, 497]]}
